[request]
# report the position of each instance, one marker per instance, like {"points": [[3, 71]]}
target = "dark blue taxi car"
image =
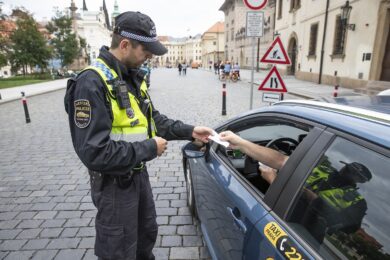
{"points": [[296, 217]]}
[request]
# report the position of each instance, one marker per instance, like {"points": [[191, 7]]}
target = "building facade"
{"points": [[180, 50], [238, 47], [213, 44], [336, 42], [93, 29]]}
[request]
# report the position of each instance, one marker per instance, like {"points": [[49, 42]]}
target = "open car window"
{"points": [[279, 134]]}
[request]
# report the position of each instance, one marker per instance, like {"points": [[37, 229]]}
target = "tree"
{"points": [[65, 44], [3, 51], [28, 46]]}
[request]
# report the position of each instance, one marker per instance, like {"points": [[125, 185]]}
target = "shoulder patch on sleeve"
{"points": [[82, 113]]}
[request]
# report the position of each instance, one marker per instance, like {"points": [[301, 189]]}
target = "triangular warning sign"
{"points": [[276, 54], [273, 82]]}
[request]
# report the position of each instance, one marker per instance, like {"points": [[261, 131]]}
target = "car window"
{"points": [[278, 134], [343, 208]]}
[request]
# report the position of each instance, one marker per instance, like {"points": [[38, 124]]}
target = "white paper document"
{"points": [[215, 137]]}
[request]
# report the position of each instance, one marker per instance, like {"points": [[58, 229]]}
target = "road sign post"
{"points": [[254, 29]]}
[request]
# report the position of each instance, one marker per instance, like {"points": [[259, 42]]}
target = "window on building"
{"points": [[338, 44], [227, 36], [280, 8], [232, 34], [295, 5], [340, 211], [214, 43], [313, 39]]}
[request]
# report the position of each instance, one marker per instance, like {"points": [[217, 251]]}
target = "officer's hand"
{"points": [[202, 133], [161, 145]]}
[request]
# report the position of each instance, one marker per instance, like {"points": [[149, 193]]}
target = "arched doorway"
{"points": [[292, 53]]}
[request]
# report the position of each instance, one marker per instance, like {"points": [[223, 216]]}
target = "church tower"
{"points": [[73, 15], [114, 14]]}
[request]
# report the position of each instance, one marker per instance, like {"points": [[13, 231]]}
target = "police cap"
{"points": [[138, 26]]}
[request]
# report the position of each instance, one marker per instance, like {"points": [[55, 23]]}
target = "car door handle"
{"points": [[235, 213]]}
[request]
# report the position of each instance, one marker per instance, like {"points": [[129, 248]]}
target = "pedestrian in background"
{"points": [[221, 69], [179, 68], [184, 69], [215, 68], [227, 69], [115, 129], [236, 69]]}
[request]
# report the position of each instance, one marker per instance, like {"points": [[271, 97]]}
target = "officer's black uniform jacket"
{"points": [[93, 144]]}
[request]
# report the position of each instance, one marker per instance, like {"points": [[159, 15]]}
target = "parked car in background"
{"points": [[304, 213], [384, 93]]}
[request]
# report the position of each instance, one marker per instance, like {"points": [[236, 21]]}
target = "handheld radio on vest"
{"points": [[120, 90]]}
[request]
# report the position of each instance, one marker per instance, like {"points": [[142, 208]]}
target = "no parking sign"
{"points": [[255, 4]]}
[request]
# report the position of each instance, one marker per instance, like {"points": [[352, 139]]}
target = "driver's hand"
{"points": [[267, 173], [233, 139]]}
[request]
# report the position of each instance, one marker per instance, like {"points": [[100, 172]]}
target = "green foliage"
{"points": [[4, 50], [28, 46], [3, 57], [65, 44], [17, 81]]}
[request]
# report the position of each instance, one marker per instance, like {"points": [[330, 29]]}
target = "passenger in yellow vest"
{"points": [[333, 198], [115, 129]]}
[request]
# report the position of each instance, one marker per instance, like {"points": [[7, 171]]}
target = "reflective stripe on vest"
{"points": [[336, 197], [124, 128]]}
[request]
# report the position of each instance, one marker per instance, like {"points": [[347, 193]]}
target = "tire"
{"points": [[190, 191]]}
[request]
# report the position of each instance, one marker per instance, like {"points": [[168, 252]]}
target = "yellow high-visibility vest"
{"points": [[123, 127], [335, 197]]}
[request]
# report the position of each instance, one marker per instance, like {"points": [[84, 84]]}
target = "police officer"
{"points": [[115, 129]]}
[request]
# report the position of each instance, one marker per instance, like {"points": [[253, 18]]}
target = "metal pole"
{"points": [[258, 55], [24, 102], [323, 42], [224, 99], [253, 70]]}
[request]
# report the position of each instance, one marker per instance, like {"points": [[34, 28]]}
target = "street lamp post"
{"points": [[345, 13]]}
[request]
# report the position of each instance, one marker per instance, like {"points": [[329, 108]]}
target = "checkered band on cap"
{"points": [[138, 37], [103, 68]]}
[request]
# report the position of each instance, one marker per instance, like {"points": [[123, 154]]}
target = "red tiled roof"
{"points": [[218, 27], [6, 28]]}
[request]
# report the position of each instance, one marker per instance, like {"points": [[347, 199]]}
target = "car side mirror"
{"points": [[193, 150]]}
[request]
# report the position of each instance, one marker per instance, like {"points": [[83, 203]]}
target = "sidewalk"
{"points": [[10, 94], [304, 89]]}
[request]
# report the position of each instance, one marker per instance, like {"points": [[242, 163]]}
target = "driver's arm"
{"points": [[268, 156]]}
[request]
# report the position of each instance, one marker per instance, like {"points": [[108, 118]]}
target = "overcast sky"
{"points": [[176, 18]]}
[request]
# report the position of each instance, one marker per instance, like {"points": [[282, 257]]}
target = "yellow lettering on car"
{"points": [[273, 232]]}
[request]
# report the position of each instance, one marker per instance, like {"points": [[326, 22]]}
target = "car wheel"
{"points": [[190, 191]]}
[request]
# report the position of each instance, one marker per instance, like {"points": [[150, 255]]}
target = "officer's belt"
{"points": [[99, 180]]}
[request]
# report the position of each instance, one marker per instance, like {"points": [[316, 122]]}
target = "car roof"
{"points": [[375, 103], [366, 123]]}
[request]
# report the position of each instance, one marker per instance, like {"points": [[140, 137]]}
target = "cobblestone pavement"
{"points": [[45, 205]]}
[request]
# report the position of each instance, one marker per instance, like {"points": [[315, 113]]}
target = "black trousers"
{"points": [[126, 226]]}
